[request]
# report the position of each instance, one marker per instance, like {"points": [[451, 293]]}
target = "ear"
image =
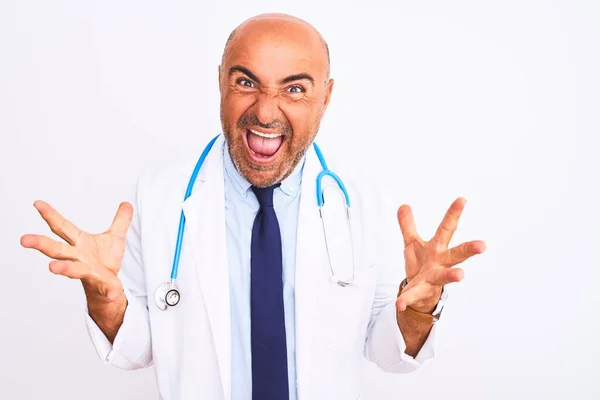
{"points": [[219, 68], [328, 91]]}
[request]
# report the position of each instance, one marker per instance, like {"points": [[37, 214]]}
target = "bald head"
{"points": [[282, 24]]}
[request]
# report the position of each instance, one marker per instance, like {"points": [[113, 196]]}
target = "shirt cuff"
{"points": [[128, 340], [393, 358]]}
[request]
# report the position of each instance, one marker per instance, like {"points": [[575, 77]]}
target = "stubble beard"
{"points": [[256, 174], [247, 169]]}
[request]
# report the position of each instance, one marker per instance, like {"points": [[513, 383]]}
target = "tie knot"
{"points": [[265, 195]]}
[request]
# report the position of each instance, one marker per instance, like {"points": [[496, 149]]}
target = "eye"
{"points": [[245, 83], [295, 89]]}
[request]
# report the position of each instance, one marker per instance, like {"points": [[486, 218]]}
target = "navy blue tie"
{"points": [[268, 342]]}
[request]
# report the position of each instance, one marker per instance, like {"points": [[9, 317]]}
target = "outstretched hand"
{"points": [[93, 259], [429, 265]]}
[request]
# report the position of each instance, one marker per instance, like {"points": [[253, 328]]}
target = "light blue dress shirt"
{"points": [[241, 208]]}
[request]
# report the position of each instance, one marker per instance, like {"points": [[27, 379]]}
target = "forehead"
{"points": [[273, 54]]}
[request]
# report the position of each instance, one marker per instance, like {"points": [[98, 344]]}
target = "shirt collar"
{"points": [[290, 186]]}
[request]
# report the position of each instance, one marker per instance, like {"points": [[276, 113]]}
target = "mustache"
{"points": [[252, 120]]}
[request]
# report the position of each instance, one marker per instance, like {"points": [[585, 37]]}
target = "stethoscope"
{"points": [[167, 294]]}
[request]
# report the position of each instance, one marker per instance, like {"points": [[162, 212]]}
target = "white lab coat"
{"points": [[190, 344]]}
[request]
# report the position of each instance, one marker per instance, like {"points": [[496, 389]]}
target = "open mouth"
{"points": [[263, 146]]}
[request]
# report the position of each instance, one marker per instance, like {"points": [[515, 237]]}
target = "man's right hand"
{"points": [[93, 259]]}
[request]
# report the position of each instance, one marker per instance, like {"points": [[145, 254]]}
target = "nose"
{"points": [[267, 108]]}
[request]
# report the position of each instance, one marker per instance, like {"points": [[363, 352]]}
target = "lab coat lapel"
{"points": [[205, 232], [311, 255]]}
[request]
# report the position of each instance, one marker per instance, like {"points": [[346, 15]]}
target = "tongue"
{"points": [[264, 146]]}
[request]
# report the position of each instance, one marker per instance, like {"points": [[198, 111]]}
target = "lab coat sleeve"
{"points": [[385, 344], [131, 348]]}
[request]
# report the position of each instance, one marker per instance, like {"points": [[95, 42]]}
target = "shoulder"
{"points": [[374, 207], [157, 185], [364, 188], [374, 200], [177, 170], [166, 174]]}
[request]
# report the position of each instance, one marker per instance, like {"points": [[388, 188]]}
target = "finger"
{"points": [[57, 223], [444, 276], [407, 224], [462, 252], [122, 220], [446, 230], [70, 269], [407, 298], [109, 287], [50, 247]]}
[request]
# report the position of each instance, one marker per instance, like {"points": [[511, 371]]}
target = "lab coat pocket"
{"points": [[342, 310]]}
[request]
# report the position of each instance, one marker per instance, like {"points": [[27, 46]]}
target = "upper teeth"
{"points": [[266, 135]]}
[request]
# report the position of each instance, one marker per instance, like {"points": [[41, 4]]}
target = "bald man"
{"points": [[262, 307]]}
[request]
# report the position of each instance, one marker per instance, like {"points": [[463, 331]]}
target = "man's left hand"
{"points": [[429, 264]]}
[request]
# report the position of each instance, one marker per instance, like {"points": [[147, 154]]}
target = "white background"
{"points": [[495, 101]]}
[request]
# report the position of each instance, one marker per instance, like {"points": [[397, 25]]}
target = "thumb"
{"points": [[122, 220], [407, 298], [114, 293]]}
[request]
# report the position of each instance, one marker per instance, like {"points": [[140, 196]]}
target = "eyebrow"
{"points": [[291, 78], [243, 70], [298, 77]]}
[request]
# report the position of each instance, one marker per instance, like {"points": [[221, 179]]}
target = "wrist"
{"points": [[108, 316], [414, 321], [107, 310], [414, 328]]}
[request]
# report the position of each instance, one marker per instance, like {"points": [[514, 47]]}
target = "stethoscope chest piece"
{"points": [[166, 295]]}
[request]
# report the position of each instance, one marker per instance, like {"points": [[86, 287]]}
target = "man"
{"points": [[259, 316]]}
